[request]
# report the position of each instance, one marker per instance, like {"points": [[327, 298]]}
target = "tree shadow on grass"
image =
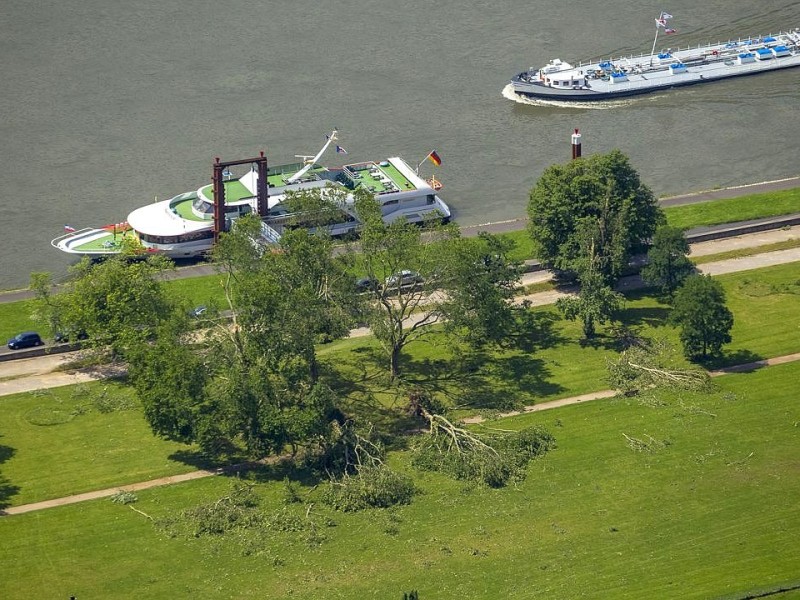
{"points": [[732, 359], [512, 378], [355, 372], [7, 489], [651, 316], [478, 378], [196, 459], [537, 331]]}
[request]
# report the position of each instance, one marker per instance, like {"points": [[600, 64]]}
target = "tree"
{"points": [[483, 281], [46, 307], [595, 303], [700, 311], [667, 263], [465, 283], [250, 386], [118, 303], [399, 309], [601, 195]]}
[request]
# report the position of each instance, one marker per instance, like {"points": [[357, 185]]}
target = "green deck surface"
{"points": [[184, 210], [374, 184], [234, 190], [108, 242]]}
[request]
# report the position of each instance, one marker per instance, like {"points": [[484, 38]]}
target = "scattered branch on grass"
{"points": [[492, 459], [650, 365], [645, 445], [124, 497], [134, 509]]}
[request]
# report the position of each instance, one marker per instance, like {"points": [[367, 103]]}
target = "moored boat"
{"points": [[184, 226], [646, 73]]}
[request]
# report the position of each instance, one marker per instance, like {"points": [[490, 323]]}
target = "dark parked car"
{"points": [[63, 337], [26, 339], [366, 283]]}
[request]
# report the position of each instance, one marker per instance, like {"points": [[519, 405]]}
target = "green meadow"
{"points": [[731, 210], [75, 439], [706, 509]]}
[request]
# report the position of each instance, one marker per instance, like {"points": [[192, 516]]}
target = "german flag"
{"points": [[434, 158]]}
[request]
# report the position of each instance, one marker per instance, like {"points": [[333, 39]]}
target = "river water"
{"points": [[106, 105]]}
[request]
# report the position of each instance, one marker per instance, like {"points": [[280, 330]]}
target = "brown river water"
{"points": [[106, 105]]}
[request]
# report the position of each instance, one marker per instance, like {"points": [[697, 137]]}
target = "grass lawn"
{"points": [[79, 438], [65, 421], [206, 289], [765, 304], [16, 317], [708, 511], [766, 309], [731, 210]]}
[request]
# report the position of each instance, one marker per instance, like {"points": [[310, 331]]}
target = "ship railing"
{"points": [[72, 234], [752, 39], [269, 234]]}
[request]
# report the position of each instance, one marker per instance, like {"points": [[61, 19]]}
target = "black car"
{"points": [[26, 339], [366, 284], [63, 337]]}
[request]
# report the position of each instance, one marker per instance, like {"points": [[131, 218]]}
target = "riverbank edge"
{"points": [[519, 223]]}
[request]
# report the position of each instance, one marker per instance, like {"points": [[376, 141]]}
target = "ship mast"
{"points": [[310, 163], [661, 21]]}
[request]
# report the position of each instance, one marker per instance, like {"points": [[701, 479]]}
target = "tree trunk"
{"points": [[394, 371], [588, 327], [313, 367]]}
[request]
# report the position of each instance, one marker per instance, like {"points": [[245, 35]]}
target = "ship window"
{"points": [[390, 202], [202, 207], [431, 199], [177, 239]]}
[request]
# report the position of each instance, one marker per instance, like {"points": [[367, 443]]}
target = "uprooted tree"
{"points": [[493, 457], [359, 477]]}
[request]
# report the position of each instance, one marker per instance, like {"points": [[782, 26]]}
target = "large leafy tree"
{"points": [[667, 263], [118, 303], [699, 309], [465, 283], [601, 196], [483, 281], [400, 308], [251, 384]]}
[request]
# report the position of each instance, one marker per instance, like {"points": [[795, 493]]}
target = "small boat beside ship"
{"points": [[613, 78], [187, 225]]}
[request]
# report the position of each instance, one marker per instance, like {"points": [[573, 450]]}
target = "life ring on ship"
{"points": [[715, 52]]}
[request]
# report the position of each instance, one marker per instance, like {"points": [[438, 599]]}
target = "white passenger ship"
{"points": [[184, 226]]}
